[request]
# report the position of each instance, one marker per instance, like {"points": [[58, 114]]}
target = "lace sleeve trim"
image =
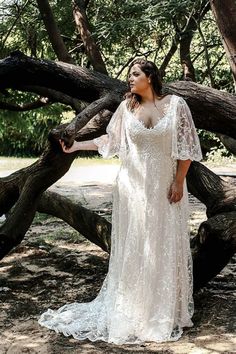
{"points": [[185, 142], [110, 144]]}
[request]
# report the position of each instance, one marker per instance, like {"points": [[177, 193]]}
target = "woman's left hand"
{"points": [[176, 192]]}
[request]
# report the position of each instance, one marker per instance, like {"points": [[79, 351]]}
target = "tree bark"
{"points": [[225, 15], [228, 142]]}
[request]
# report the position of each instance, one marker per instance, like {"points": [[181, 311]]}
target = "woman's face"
{"points": [[138, 81]]}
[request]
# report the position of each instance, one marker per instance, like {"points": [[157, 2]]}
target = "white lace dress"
{"points": [[147, 293]]}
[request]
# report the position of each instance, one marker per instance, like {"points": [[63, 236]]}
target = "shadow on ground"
{"points": [[55, 265]]}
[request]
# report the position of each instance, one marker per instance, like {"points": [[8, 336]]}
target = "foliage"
{"points": [[25, 133], [123, 30], [213, 149], [219, 154]]}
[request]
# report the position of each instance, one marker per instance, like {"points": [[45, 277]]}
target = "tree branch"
{"points": [[41, 102], [92, 226], [110, 101]]}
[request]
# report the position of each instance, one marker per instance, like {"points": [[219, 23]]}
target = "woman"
{"points": [[147, 293]]}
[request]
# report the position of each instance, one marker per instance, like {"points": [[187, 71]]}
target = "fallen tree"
{"points": [[24, 192]]}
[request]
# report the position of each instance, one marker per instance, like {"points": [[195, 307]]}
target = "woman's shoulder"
{"points": [[179, 98], [176, 97], [168, 99], [121, 106], [124, 104]]}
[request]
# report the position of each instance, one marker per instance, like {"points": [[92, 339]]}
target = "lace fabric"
{"points": [[113, 143], [147, 293], [185, 143]]}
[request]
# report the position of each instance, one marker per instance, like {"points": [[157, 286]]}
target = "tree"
{"points": [[91, 48], [23, 192], [181, 37], [53, 31], [223, 11]]}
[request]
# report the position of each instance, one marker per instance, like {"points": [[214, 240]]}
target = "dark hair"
{"points": [[151, 71]]}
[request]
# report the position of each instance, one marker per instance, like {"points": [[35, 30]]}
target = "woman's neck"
{"points": [[148, 97]]}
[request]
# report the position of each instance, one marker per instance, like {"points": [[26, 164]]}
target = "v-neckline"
{"points": [[157, 123]]}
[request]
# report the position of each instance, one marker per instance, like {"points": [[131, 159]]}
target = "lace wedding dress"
{"points": [[147, 293]]}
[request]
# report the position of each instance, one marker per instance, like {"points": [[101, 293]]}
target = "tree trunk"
{"points": [[215, 242], [185, 56], [169, 55], [185, 38], [90, 46], [25, 188], [53, 32], [36, 75], [225, 15]]}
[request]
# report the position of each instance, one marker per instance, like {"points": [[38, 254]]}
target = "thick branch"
{"points": [[218, 196], [10, 106], [110, 101], [52, 165], [91, 225], [212, 109], [215, 242], [74, 81], [213, 247]]}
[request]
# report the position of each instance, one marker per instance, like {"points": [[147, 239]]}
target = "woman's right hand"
{"points": [[67, 149]]}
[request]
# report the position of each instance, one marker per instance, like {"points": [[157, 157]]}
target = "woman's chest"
{"points": [[150, 116], [137, 130]]}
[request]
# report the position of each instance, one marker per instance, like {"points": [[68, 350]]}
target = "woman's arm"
{"points": [[176, 189], [79, 145]]}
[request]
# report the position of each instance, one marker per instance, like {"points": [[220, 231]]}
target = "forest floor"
{"points": [[55, 265]]}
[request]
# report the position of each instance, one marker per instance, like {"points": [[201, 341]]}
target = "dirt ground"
{"points": [[55, 265]]}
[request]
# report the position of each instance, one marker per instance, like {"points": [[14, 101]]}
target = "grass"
{"points": [[15, 163], [40, 218], [84, 161], [59, 236]]}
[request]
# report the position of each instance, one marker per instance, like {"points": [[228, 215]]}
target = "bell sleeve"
{"points": [[112, 143], [185, 141]]}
